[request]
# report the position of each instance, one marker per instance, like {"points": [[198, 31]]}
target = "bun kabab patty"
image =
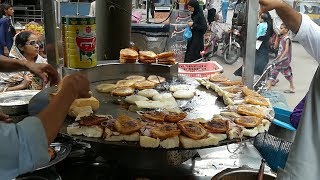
{"points": [[136, 78], [192, 129], [216, 126], [128, 55], [165, 131], [156, 79], [248, 121], [147, 57], [146, 84], [217, 77], [174, 117], [127, 125], [166, 55], [92, 120], [122, 91]]}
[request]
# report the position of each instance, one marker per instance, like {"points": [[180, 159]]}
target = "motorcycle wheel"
{"points": [[232, 56]]}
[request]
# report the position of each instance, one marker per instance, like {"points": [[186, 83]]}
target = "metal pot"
{"points": [[242, 173], [16, 102]]}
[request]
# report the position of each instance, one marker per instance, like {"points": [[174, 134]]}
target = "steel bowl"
{"points": [[242, 173], [16, 102]]}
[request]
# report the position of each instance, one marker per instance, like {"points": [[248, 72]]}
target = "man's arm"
{"points": [[288, 15], [10, 65], [307, 32], [52, 117], [45, 71]]}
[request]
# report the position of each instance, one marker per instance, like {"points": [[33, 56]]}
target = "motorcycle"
{"points": [[232, 48], [223, 43]]}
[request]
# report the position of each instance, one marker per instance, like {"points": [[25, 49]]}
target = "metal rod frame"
{"points": [[250, 43]]}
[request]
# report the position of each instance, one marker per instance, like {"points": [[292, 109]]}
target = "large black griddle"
{"points": [[203, 105]]}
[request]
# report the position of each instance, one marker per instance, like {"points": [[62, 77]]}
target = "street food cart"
{"points": [[84, 157]]}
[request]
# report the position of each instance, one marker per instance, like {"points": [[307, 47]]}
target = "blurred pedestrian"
{"points": [[283, 41], [213, 9], [92, 11], [198, 27], [224, 9], [7, 31], [264, 32], [26, 48]]}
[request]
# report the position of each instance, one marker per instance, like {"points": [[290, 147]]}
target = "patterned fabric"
{"points": [[283, 67], [14, 79]]}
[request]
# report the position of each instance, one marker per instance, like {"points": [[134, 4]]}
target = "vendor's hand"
{"points": [[190, 24], [4, 117], [78, 84], [6, 51], [45, 71], [268, 5]]}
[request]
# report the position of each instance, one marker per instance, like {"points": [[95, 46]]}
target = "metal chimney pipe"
{"points": [[250, 40], [50, 27], [113, 18]]}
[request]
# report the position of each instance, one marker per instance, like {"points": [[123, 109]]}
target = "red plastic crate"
{"points": [[199, 70]]}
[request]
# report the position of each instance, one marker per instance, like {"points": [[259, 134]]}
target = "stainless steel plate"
{"points": [[62, 151], [17, 98], [15, 103]]}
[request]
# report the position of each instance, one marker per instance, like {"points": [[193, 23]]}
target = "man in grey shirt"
{"points": [[24, 146]]}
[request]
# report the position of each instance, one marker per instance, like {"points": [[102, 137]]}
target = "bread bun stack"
{"points": [[166, 58], [80, 107], [147, 57], [128, 55]]}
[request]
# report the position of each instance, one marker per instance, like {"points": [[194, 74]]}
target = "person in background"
{"points": [[26, 48], [163, 3], [224, 9], [92, 11], [264, 32], [151, 5], [262, 26], [42, 51], [304, 157], [198, 27], [213, 9], [45, 71], [283, 41], [7, 31]]}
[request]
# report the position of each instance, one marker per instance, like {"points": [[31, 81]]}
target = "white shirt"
{"points": [[304, 159], [92, 12], [214, 4]]}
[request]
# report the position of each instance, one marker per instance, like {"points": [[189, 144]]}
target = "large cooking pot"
{"points": [[242, 173], [16, 102]]}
